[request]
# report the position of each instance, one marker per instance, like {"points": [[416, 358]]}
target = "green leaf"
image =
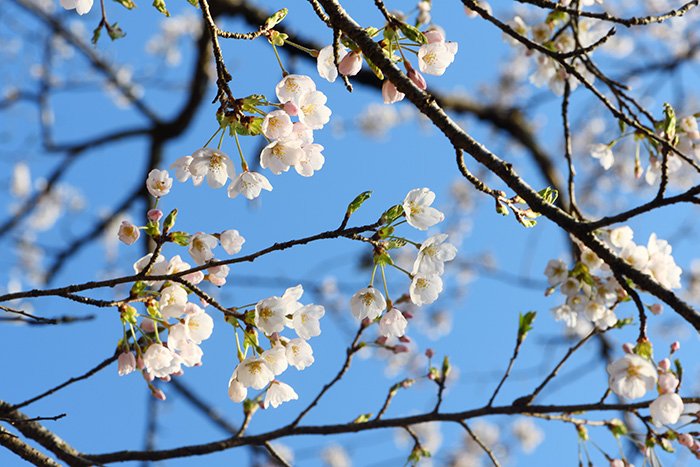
{"points": [[501, 208], [617, 427], [377, 72], [385, 231], [275, 19], [247, 126], [621, 323], [669, 122], [128, 4], [679, 369], [556, 16], [152, 229], [160, 6], [395, 243], [644, 349], [128, 314], [389, 33], [549, 194], [364, 418], [372, 31], [250, 103], [525, 323], [115, 32], [412, 33], [383, 259], [181, 238], [193, 2], [357, 202], [96, 33], [391, 214], [169, 221], [137, 288], [446, 368]]}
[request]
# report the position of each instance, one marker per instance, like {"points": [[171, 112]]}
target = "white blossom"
{"points": [[198, 326], [434, 58], [312, 110], [292, 87], [126, 363], [236, 391], [425, 288], [311, 160], [556, 272], [277, 125], [367, 303], [278, 393], [631, 376], [270, 313], [306, 321], [393, 324], [200, 247], [128, 233], [160, 361], [433, 254], [172, 301], [351, 64], [390, 94], [299, 353], [604, 154], [21, 182], [158, 183], [276, 359], [231, 241], [212, 164], [666, 409], [279, 155], [325, 63], [254, 372], [419, 213], [249, 184], [80, 6], [182, 170]]}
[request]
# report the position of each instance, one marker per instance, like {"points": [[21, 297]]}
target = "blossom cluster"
{"points": [[434, 53], [426, 283], [590, 288], [260, 370]]}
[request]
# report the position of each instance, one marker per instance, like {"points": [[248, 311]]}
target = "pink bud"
{"points": [[139, 363], [291, 109], [656, 308], [407, 314], [147, 376], [381, 340], [617, 463], [148, 326], [675, 347], [696, 446], [405, 339], [417, 79], [351, 64], [686, 440], [429, 353], [154, 215], [126, 363], [434, 35], [158, 394], [400, 349], [628, 348], [390, 94], [165, 378], [366, 322], [665, 364], [667, 383]]}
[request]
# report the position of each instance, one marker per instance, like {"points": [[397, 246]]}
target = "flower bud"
{"points": [[617, 463], [351, 64], [628, 348], [381, 340], [291, 109], [400, 349], [139, 363], [686, 440], [675, 347], [429, 353], [390, 94], [126, 363], [665, 364], [407, 314], [667, 383], [435, 35], [417, 79], [128, 233], [147, 376], [405, 339], [154, 215], [656, 308], [158, 394]]}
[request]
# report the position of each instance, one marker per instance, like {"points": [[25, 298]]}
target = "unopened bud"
{"points": [[158, 394], [154, 215], [291, 109], [686, 440], [665, 364], [381, 340], [656, 308], [407, 314], [675, 347], [366, 322], [434, 35], [628, 348], [400, 349], [429, 353], [351, 64], [405, 339]]}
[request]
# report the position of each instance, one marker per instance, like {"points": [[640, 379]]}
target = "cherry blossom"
{"points": [[604, 154], [249, 184], [293, 87], [311, 160], [312, 110], [433, 254], [419, 213], [200, 247], [306, 321], [325, 62], [182, 170], [367, 303], [212, 164], [172, 301], [128, 233], [277, 125], [351, 64], [160, 361], [254, 372], [276, 359], [390, 94], [270, 313], [631, 376], [666, 409], [231, 241], [425, 289], [434, 58], [80, 6], [159, 183], [236, 391], [126, 363], [198, 326], [393, 324], [279, 155], [299, 353], [278, 393]]}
